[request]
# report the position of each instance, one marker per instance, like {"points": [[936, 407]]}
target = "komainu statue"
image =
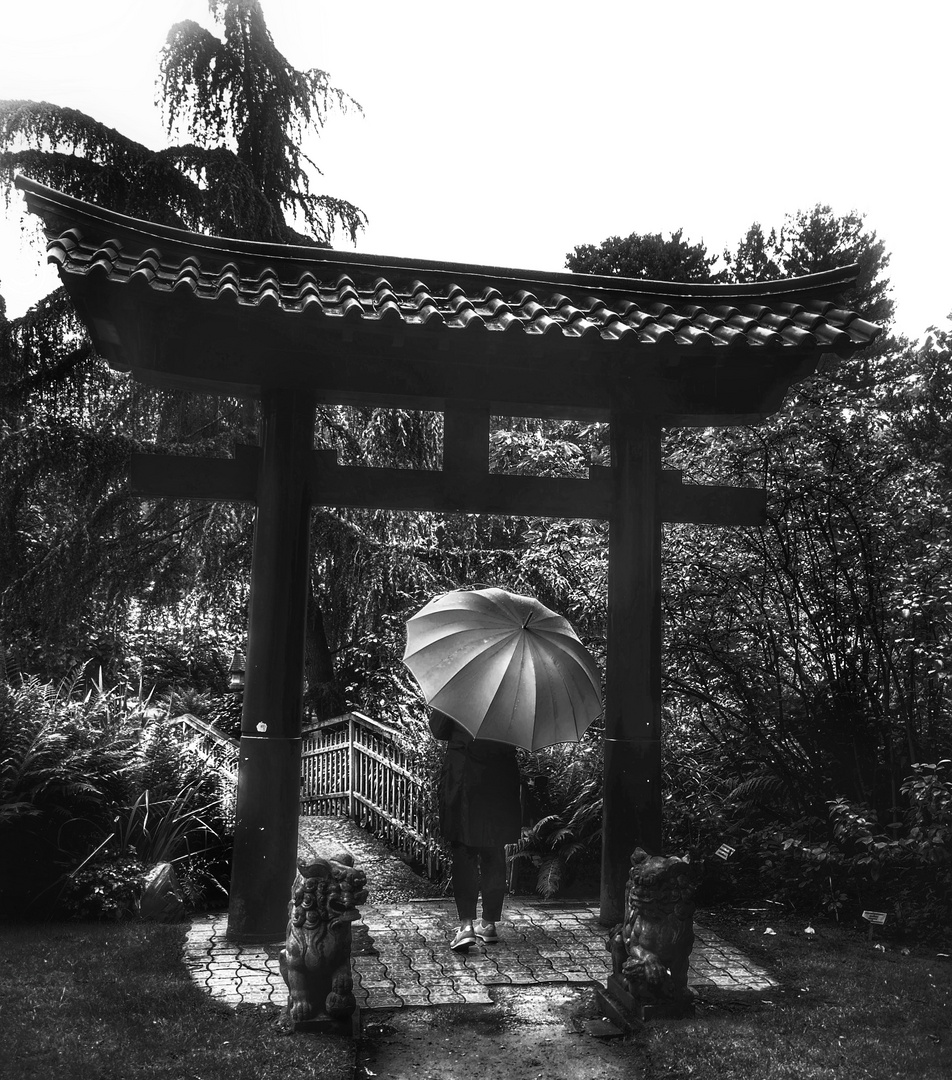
{"points": [[316, 960], [651, 949]]}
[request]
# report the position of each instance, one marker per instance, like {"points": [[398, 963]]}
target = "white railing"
{"points": [[353, 766]]}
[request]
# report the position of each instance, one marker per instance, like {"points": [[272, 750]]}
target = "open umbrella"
{"points": [[504, 666]]}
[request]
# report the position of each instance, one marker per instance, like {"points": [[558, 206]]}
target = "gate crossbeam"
{"points": [[441, 491]]}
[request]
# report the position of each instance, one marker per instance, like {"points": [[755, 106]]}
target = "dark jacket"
{"points": [[479, 788]]}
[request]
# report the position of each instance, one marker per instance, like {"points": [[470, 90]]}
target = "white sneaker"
{"points": [[486, 932], [464, 938]]}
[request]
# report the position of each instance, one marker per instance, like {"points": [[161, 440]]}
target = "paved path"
{"points": [[401, 956]]}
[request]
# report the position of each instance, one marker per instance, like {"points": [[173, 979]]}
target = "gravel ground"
{"points": [[389, 880]]}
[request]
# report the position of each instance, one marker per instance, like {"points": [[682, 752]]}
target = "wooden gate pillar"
{"points": [[632, 751], [269, 774]]}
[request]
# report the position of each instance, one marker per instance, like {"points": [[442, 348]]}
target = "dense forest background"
{"points": [[807, 697]]}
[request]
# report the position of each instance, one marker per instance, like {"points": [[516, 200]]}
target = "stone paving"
{"points": [[401, 956]]}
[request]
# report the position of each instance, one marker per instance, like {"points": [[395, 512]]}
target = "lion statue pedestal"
{"points": [[651, 949], [315, 962]]}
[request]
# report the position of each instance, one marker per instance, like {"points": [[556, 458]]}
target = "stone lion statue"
{"points": [[651, 949], [315, 962]]}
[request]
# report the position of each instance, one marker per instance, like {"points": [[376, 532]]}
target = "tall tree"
{"points": [[77, 554], [240, 91], [755, 258], [811, 241], [245, 108]]}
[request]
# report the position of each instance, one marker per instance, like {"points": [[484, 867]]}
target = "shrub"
{"points": [[562, 797], [844, 861], [224, 713], [88, 785], [62, 764], [109, 889]]}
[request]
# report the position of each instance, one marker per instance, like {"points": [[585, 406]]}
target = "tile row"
{"points": [[461, 299]]}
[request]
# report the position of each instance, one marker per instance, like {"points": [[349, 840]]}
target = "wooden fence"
{"points": [[353, 766]]}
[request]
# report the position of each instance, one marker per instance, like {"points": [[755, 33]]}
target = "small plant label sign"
{"points": [[874, 918], [724, 851]]}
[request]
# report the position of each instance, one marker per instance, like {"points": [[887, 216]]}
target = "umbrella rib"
{"points": [[470, 671], [503, 710], [550, 666]]}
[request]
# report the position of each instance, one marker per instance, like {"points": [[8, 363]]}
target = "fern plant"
{"points": [[85, 780], [60, 757], [555, 843]]}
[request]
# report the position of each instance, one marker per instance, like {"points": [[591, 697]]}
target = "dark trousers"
{"points": [[478, 870]]}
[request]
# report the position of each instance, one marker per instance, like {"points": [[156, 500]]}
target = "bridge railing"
{"points": [[354, 766], [351, 766]]}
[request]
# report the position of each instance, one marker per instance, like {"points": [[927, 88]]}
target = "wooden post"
{"points": [[351, 769], [632, 783], [269, 772]]}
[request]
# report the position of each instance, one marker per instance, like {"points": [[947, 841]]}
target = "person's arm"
{"points": [[441, 726]]}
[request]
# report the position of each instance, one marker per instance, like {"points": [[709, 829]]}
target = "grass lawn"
{"points": [[844, 1009], [112, 1001]]}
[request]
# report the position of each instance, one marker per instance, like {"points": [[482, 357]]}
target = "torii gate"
{"points": [[294, 326]]}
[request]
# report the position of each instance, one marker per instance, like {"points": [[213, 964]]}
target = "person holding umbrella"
{"points": [[480, 812], [499, 671]]}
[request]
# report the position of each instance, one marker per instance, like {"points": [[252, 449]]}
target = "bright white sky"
{"points": [[506, 133]]}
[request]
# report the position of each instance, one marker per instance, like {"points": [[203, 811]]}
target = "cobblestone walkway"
{"points": [[401, 956]]}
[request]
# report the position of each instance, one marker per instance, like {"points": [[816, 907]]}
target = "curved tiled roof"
{"points": [[617, 314], [321, 291]]}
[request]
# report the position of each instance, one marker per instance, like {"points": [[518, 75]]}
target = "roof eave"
{"points": [[59, 210]]}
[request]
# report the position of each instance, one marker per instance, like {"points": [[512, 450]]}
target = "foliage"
{"points": [[811, 655], [92, 782], [181, 830], [563, 799], [85, 568], [241, 91], [109, 889], [694, 791], [68, 425], [61, 756], [164, 830], [811, 241], [845, 861], [224, 713], [645, 255]]}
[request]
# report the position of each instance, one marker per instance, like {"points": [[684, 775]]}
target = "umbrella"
{"points": [[504, 666]]}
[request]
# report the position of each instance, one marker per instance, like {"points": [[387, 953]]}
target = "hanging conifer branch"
{"points": [[77, 154], [240, 92]]}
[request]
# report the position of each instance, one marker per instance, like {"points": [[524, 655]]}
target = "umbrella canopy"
{"points": [[505, 667]]}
